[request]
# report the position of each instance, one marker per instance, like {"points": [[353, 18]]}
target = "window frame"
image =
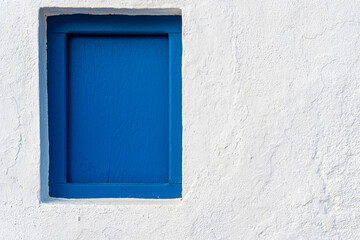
{"points": [[58, 30]]}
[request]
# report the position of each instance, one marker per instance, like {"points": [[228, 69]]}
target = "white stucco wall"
{"points": [[271, 126]]}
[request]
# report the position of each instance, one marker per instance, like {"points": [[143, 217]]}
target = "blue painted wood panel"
{"points": [[57, 88], [84, 190], [118, 102], [113, 24], [115, 118]]}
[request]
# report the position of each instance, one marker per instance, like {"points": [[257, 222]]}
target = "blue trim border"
{"points": [[58, 30], [103, 190]]}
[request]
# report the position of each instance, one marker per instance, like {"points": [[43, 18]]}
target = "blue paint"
{"points": [[77, 190], [113, 24], [114, 86]]}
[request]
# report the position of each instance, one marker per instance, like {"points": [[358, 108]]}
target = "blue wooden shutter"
{"points": [[114, 87]]}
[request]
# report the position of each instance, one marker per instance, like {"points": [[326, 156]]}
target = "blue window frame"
{"points": [[114, 97]]}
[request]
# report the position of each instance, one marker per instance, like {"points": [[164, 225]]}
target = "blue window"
{"points": [[114, 97]]}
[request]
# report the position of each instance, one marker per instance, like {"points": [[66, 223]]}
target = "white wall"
{"points": [[271, 126]]}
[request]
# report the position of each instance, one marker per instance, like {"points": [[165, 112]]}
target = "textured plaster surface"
{"points": [[271, 126]]}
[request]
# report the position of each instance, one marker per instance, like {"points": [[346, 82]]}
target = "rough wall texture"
{"points": [[271, 126]]}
